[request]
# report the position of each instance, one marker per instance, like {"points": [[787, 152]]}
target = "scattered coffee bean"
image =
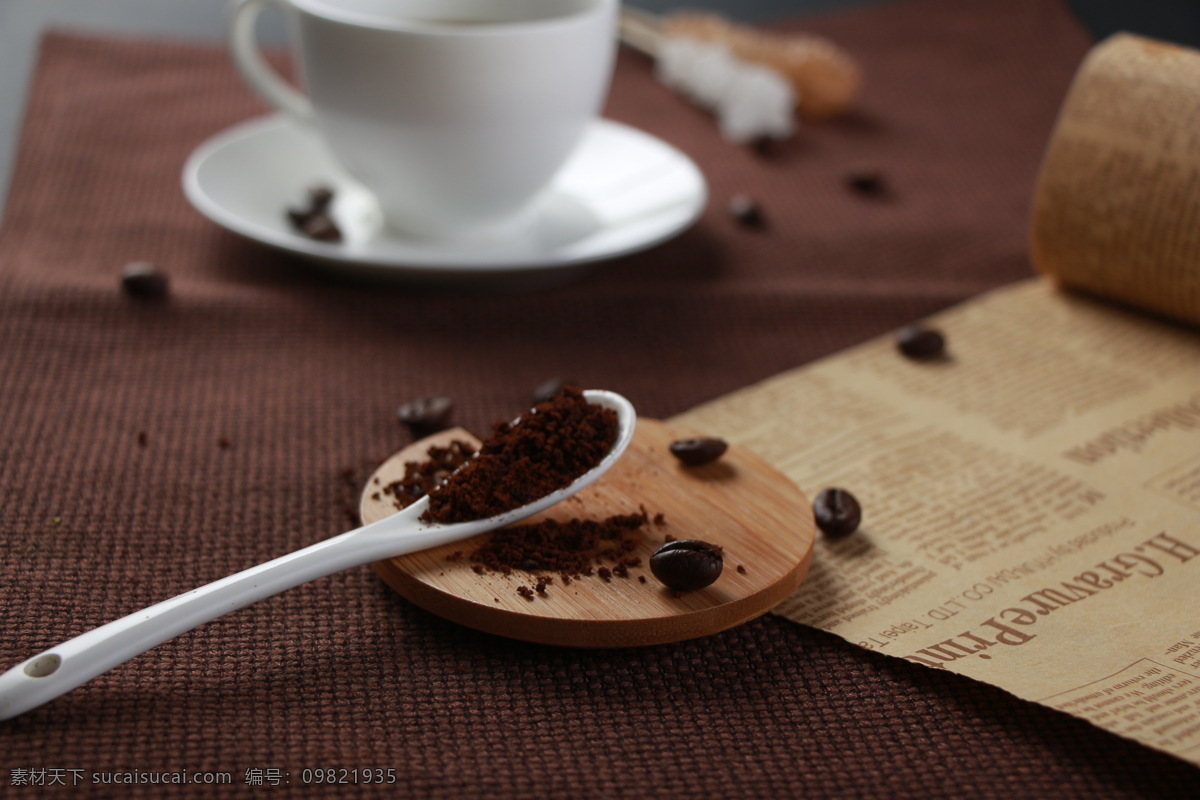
{"points": [[865, 180], [837, 512], [315, 219], [320, 198], [299, 217], [426, 414], [698, 451], [686, 565], [919, 342], [765, 146], [322, 228], [145, 281], [550, 388], [747, 212]]}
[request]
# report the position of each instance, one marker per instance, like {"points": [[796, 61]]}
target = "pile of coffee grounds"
{"points": [[545, 551], [420, 477], [571, 549], [523, 461]]}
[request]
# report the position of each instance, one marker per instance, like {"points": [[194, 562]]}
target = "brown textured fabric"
{"points": [[301, 374]]}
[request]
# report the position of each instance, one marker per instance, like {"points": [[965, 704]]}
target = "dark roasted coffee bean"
{"points": [[765, 146], [865, 180], [686, 565], [550, 388], [321, 227], [314, 219], [919, 342], [426, 414], [747, 212], [698, 451], [319, 198], [143, 280], [298, 217], [837, 512]]}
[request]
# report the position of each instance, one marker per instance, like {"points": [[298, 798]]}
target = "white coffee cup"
{"points": [[456, 114]]}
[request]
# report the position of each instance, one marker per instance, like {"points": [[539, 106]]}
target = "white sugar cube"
{"points": [[749, 101]]}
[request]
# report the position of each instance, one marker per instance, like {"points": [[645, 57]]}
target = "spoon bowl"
{"points": [[60, 669]]}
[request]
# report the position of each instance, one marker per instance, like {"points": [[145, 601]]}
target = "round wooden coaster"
{"points": [[761, 519]]}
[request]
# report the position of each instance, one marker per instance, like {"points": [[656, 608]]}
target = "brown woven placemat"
{"points": [[149, 448]]}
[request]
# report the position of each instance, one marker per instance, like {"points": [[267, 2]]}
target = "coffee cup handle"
{"points": [[248, 58]]}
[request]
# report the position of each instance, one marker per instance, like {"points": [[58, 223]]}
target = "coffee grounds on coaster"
{"points": [[573, 549], [523, 461]]}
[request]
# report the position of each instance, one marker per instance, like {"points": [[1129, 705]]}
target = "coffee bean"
{"points": [[298, 217], [322, 228], [765, 146], [698, 451], [865, 180], [426, 414], [143, 280], [919, 342], [747, 212], [686, 565], [320, 198], [837, 512], [314, 219]]}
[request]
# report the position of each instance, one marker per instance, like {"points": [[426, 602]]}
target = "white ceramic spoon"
{"points": [[62, 668]]}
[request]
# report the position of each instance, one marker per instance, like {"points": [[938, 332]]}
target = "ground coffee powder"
{"points": [[523, 461], [571, 548], [421, 476]]}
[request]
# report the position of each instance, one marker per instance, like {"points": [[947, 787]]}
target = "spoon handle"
{"points": [[62, 668], [75, 661]]}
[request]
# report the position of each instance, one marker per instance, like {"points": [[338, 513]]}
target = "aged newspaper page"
{"points": [[1117, 205], [1031, 501]]}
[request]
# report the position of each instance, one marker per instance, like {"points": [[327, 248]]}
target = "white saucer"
{"points": [[621, 192]]}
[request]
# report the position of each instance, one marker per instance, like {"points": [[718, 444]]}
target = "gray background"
{"points": [[22, 22]]}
